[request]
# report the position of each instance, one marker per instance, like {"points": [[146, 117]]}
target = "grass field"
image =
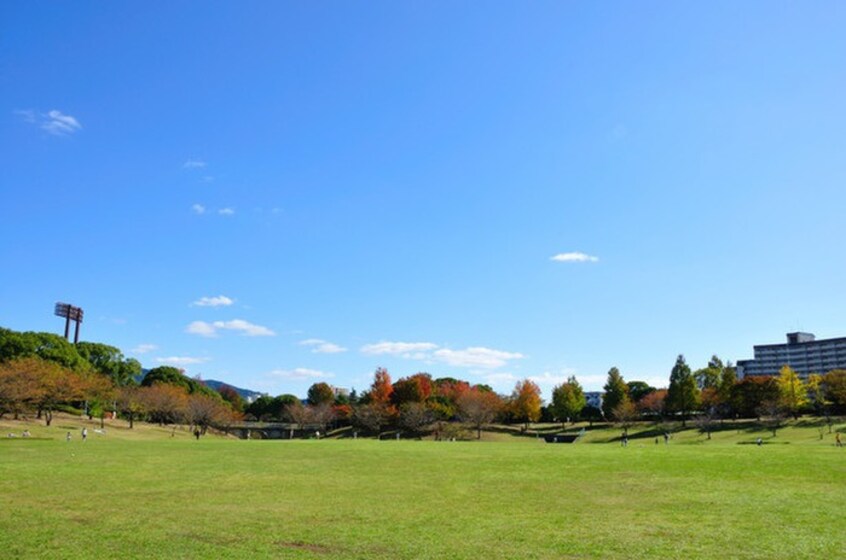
{"points": [[144, 494]]}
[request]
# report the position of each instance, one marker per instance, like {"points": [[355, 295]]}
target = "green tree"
{"points": [[568, 400], [682, 394], [48, 346], [616, 392], [321, 393], [638, 390]]}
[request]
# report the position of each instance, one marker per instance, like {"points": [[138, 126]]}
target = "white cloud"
{"points": [[300, 373], [202, 328], [198, 209], [216, 301], [194, 164], [144, 348], [226, 211], [211, 330], [181, 360], [412, 350], [476, 357], [59, 124], [319, 346], [574, 257]]}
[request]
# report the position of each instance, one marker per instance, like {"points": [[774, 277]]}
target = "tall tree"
{"points": [[682, 394], [416, 388], [794, 395], [568, 400], [110, 362], [382, 388], [616, 392], [526, 402], [638, 390]]}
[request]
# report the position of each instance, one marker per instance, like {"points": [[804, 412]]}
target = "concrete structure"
{"points": [[803, 353]]}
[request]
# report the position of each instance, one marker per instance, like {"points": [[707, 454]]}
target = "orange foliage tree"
{"points": [[526, 402]]}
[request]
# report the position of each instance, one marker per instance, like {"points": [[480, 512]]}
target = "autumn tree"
{"points": [[59, 385], [203, 411], [616, 391], [416, 388], [683, 394], [752, 391], [568, 400], [381, 389], [321, 393], [164, 403], [653, 404], [794, 395], [20, 387], [478, 408], [131, 403], [526, 402]]}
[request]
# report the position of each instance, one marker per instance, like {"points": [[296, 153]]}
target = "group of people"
{"points": [[25, 433], [84, 435]]}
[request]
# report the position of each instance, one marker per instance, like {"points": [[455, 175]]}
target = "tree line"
{"points": [[41, 373]]}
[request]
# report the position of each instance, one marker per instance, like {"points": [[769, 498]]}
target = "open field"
{"points": [[144, 494]]}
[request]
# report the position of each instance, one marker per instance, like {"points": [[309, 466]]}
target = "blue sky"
{"points": [[274, 194]]}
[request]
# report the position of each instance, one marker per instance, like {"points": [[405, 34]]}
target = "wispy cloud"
{"points": [[409, 350], [198, 209], [226, 211], [60, 124], [181, 360], [574, 257], [26, 115], [300, 373], [55, 122], [476, 356], [212, 329], [214, 301], [194, 164], [144, 348], [319, 346]]}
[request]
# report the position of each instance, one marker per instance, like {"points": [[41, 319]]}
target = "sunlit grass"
{"points": [[145, 494]]}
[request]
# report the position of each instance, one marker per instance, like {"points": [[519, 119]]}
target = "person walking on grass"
{"points": [[837, 441], [84, 435], [68, 437]]}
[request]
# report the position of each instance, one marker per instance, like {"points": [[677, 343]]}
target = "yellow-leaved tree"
{"points": [[792, 391]]}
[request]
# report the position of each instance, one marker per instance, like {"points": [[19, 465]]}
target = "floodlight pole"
{"points": [[67, 327], [76, 333]]}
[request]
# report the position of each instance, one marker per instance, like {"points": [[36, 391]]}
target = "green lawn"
{"points": [[144, 494]]}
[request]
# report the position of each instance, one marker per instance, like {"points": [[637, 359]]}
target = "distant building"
{"points": [[803, 352], [594, 399], [341, 392]]}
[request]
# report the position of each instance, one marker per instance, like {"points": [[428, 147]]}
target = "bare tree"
{"points": [[625, 414], [478, 408], [706, 420], [371, 416], [298, 414], [772, 415], [415, 416], [322, 414]]}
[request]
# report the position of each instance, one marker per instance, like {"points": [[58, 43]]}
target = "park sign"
{"points": [[70, 313]]}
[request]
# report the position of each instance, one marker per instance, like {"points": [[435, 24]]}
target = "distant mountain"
{"points": [[246, 394]]}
